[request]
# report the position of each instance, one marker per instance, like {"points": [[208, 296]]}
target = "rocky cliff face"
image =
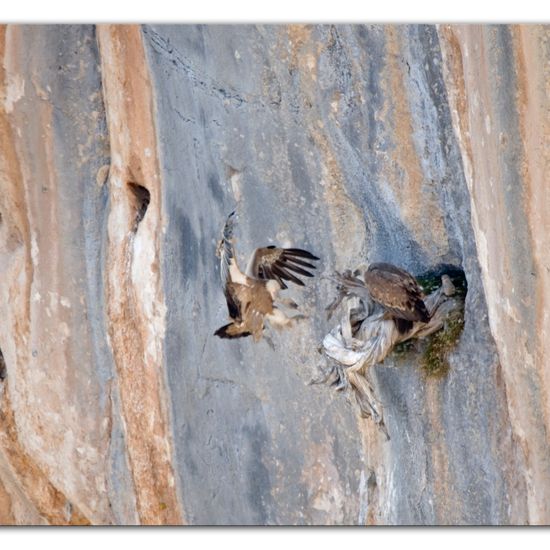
{"points": [[123, 148]]}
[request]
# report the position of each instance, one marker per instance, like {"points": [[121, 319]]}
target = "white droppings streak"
{"points": [[34, 250], [15, 90], [236, 185]]}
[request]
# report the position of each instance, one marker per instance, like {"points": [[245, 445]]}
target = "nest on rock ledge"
{"points": [[365, 337]]}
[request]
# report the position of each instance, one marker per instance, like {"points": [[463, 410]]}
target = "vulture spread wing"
{"points": [[225, 249], [234, 295], [396, 290], [281, 264]]}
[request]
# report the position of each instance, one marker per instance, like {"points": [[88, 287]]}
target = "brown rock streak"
{"points": [[533, 48], [515, 277], [135, 300], [343, 212], [50, 424], [50, 503]]}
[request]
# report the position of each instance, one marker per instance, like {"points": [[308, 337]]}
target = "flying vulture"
{"points": [[252, 296], [391, 287]]}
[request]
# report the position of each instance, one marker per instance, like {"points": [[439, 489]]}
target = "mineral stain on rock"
{"points": [[418, 145]]}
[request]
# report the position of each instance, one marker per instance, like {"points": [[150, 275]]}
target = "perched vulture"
{"points": [[252, 297], [391, 287]]}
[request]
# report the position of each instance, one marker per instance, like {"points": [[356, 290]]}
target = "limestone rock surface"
{"points": [[123, 149]]}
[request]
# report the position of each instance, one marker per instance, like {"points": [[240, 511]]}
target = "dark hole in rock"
{"points": [[3, 371], [141, 199], [431, 280]]}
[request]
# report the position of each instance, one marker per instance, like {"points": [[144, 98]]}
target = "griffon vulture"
{"points": [[253, 297]]}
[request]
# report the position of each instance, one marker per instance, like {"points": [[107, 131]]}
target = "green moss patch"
{"points": [[434, 361]]}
